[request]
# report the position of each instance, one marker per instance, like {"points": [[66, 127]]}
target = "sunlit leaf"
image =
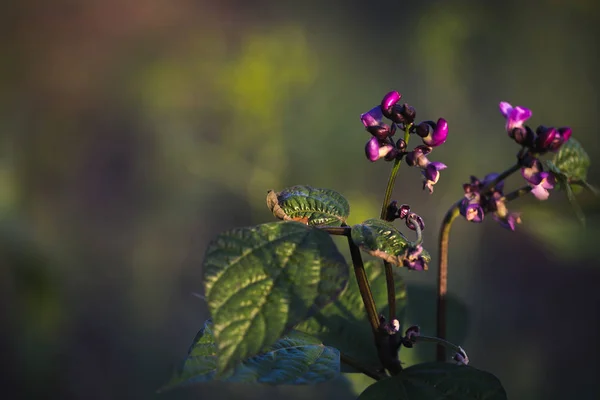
{"points": [[295, 359], [263, 280], [309, 205], [381, 239], [437, 381], [344, 324]]}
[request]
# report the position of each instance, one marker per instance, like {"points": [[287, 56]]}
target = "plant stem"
{"points": [[392, 179], [442, 283], [363, 285], [440, 342], [389, 272], [515, 194], [501, 177], [444, 238], [361, 368], [336, 230]]}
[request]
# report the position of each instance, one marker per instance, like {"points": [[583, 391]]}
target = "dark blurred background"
{"points": [[132, 131]]}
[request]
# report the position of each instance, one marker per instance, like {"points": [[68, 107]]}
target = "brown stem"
{"points": [[363, 285], [391, 289], [361, 368], [451, 215]]}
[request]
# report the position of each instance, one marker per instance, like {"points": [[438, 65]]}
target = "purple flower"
{"points": [[509, 220], [461, 357], [551, 139], [413, 259], [372, 120], [411, 219], [418, 156], [471, 209], [515, 116], [374, 151], [431, 174], [499, 187], [372, 117], [540, 182], [389, 101], [433, 134]]}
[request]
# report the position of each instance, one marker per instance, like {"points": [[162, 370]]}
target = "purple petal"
{"points": [[520, 114], [372, 118], [372, 149], [437, 165], [565, 132], [540, 192], [548, 180], [471, 211], [505, 108], [431, 174], [510, 221], [384, 150], [531, 175], [439, 134], [390, 99]]}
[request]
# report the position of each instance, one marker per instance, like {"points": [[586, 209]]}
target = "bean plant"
{"points": [[287, 308]]}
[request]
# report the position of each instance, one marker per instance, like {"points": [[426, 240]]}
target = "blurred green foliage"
{"points": [[131, 132]]}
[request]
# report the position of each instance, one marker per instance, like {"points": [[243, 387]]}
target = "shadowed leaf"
{"points": [[437, 381], [295, 359], [344, 324]]}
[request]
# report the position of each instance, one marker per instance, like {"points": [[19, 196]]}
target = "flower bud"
{"points": [[412, 219], [388, 102]]}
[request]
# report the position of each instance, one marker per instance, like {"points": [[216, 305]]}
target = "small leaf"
{"points": [[309, 205], [263, 280], [572, 160], [295, 359], [344, 324], [381, 239], [437, 381], [563, 183]]}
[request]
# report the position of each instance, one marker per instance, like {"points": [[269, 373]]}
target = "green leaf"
{"points": [[263, 280], [572, 160], [381, 239], [295, 359], [344, 324], [437, 381], [563, 182], [309, 205]]}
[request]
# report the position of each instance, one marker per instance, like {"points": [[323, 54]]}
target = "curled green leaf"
{"points": [[309, 205], [263, 280], [381, 239]]}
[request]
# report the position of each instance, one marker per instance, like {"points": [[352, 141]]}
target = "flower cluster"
{"points": [[402, 116], [482, 196], [543, 140], [487, 195]]}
